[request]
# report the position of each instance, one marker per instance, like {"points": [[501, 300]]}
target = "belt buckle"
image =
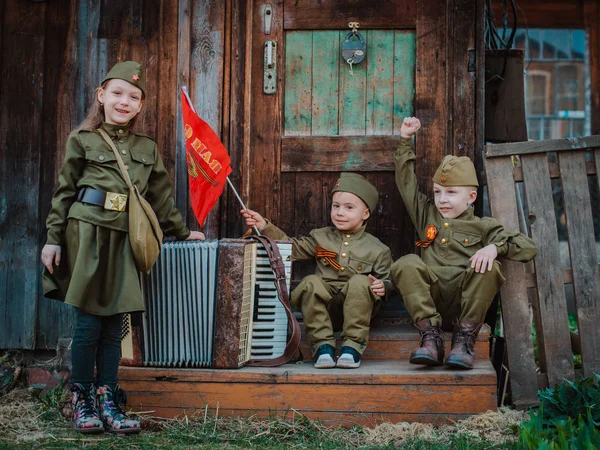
{"points": [[115, 202]]}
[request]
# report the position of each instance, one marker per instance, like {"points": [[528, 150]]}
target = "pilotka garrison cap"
{"points": [[456, 171], [356, 184], [129, 71]]}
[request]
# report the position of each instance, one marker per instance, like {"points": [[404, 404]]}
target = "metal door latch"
{"points": [[270, 68], [268, 18]]}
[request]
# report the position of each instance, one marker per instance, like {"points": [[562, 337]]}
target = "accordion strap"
{"points": [[293, 344]]}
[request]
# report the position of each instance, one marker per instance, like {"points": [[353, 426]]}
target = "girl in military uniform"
{"points": [[458, 274], [352, 274], [87, 257]]}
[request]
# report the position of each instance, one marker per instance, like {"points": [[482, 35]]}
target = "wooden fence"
{"points": [[549, 189]]}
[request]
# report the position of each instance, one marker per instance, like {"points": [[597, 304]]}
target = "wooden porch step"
{"points": [[395, 339], [376, 392]]}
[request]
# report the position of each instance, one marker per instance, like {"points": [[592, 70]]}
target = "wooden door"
{"points": [[327, 117]]}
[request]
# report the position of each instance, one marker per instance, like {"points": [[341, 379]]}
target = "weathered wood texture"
{"points": [[229, 313], [21, 118], [545, 13], [336, 14], [381, 391], [54, 55], [548, 300]]}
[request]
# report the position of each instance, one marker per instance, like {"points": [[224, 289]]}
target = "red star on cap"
{"points": [[136, 77], [443, 179], [337, 184]]}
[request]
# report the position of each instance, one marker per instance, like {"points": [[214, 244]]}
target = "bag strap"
{"points": [[276, 261], [124, 172]]}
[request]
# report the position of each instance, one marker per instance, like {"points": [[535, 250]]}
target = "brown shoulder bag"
{"points": [[145, 235]]}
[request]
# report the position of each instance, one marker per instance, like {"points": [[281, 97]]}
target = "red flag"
{"points": [[207, 161]]}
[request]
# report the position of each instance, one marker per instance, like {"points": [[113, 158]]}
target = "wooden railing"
{"points": [[521, 193]]}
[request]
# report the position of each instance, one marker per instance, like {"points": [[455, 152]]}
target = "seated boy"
{"points": [[458, 274], [352, 273]]}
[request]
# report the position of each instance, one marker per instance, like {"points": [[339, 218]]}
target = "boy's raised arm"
{"points": [[416, 204]]}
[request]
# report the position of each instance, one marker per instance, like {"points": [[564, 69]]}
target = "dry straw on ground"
{"points": [[495, 426]]}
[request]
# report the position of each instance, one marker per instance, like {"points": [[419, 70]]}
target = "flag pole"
{"points": [[228, 180]]}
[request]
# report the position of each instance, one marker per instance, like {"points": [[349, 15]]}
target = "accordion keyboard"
{"points": [[269, 321]]}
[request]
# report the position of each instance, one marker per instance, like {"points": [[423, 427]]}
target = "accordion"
{"points": [[208, 304]]}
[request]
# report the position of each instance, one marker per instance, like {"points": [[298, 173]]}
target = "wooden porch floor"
{"points": [[385, 388]]}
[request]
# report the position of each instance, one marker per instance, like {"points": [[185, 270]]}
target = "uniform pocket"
{"points": [[360, 266], [146, 159], [466, 239], [99, 156]]}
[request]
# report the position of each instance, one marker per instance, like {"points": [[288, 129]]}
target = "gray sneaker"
{"points": [[324, 357], [349, 359]]}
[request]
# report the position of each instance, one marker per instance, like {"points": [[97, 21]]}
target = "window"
{"points": [[556, 83]]}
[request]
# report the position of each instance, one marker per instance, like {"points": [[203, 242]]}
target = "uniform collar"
{"points": [[116, 131], [352, 234], [467, 214]]}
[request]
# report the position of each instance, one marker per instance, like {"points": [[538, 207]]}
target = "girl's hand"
{"points": [[377, 286], [196, 236], [254, 219], [484, 259], [51, 254], [410, 125]]}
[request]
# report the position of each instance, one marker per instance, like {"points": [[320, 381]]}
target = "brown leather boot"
{"points": [[463, 342], [430, 351]]}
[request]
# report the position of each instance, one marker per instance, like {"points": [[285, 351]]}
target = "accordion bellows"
{"points": [[179, 294]]}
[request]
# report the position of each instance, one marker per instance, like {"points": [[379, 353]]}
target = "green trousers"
{"points": [[329, 307], [447, 295]]}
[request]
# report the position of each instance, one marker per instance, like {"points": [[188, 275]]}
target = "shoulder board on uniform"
{"points": [[139, 133]]}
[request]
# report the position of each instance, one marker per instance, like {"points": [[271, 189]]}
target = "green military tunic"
{"points": [[97, 272], [442, 284], [333, 299]]}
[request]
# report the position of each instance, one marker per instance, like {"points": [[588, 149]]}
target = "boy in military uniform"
{"points": [[352, 273], [458, 274]]}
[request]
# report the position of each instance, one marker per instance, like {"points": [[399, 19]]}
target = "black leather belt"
{"points": [[108, 200]]}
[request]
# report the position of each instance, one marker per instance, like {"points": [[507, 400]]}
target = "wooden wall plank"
{"points": [[395, 228], [167, 94], [431, 101], [352, 107], [309, 199], [20, 148], [62, 111], [298, 83], [553, 331], [404, 77], [380, 82], [335, 14], [308, 203], [325, 76], [231, 224], [183, 79], [547, 145], [584, 260], [262, 164], [287, 204], [515, 308], [314, 397], [462, 138], [206, 77], [338, 153], [544, 13]]}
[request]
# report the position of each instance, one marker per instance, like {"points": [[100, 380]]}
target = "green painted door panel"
{"points": [[324, 96]]}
